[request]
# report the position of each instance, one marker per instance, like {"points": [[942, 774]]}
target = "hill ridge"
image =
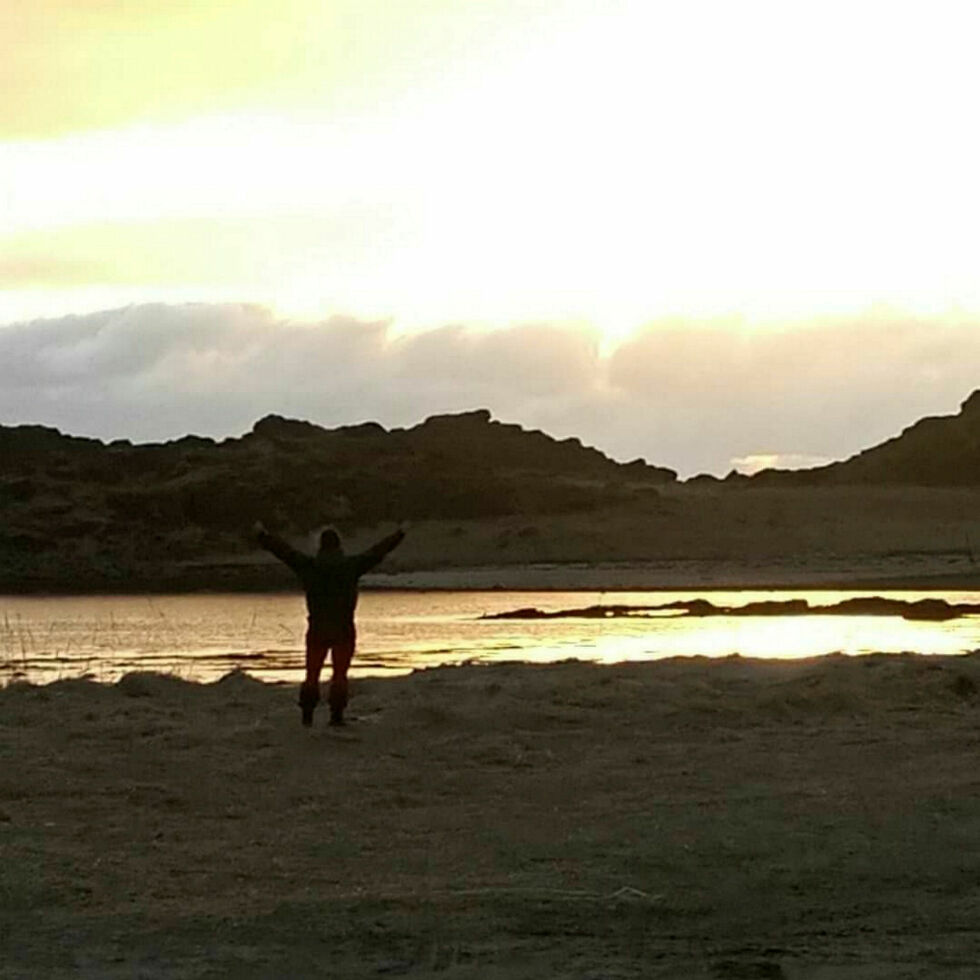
{"points": [[111, 507]]}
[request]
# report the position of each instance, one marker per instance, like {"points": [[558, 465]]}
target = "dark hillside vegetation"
{"points": [[119, 514], [80, 515]]}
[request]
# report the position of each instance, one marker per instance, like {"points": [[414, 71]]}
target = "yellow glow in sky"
{"points": [[88, 64], [489, 161]]}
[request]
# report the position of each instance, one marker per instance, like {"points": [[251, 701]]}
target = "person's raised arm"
{"points": [[368, 559], [286, 553]]}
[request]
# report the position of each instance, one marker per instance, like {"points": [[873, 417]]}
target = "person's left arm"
{"points": [[366, 560]]}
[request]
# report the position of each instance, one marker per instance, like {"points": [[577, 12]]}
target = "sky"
{"points": [[705, 233]]}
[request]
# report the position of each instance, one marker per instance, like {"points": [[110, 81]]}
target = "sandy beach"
{"points": [[807, 820]]}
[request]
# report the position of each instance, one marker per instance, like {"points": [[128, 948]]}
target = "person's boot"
{"points": [[309, 698], [337, 699]]}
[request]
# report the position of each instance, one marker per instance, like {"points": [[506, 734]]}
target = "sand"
{"points": [[809, 820], [689, 537]]}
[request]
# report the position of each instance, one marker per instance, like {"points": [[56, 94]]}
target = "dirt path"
{"points": [[816, 820]]}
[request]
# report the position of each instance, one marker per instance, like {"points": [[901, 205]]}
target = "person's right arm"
{"points": [[286, 553]]}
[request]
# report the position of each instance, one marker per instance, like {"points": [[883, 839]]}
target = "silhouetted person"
{"points": [[330, 579]]}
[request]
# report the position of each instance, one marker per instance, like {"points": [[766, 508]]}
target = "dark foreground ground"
{"points": [[816, 820]]}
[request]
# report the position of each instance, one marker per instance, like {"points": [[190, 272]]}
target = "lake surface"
{"points": [[202, 637]]}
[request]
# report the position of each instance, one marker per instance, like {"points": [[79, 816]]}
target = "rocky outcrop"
{"points": [[933, 610]]}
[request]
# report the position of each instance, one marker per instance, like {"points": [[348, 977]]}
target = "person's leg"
{"points": [[342, 652], [309, 692]]}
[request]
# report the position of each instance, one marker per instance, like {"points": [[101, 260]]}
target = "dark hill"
{"points": [[73, 506], [941, 451]]}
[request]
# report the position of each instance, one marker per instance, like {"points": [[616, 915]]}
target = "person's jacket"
{"points": [[330, 578]]}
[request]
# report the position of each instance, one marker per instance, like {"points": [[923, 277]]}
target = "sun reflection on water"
{"points": [[202, 637]]}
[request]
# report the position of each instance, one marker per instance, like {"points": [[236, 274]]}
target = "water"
{"points": [[202, 637]]}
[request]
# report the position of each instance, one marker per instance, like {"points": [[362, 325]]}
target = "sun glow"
{"points": [[433, 163]]}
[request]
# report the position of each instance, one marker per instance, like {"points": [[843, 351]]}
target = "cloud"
{"points": [[158, 371], [533, 361], [824, 388], [692, 395]]}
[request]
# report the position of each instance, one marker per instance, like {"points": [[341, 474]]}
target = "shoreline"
{"points": [[891, 573], [490, 580]]}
